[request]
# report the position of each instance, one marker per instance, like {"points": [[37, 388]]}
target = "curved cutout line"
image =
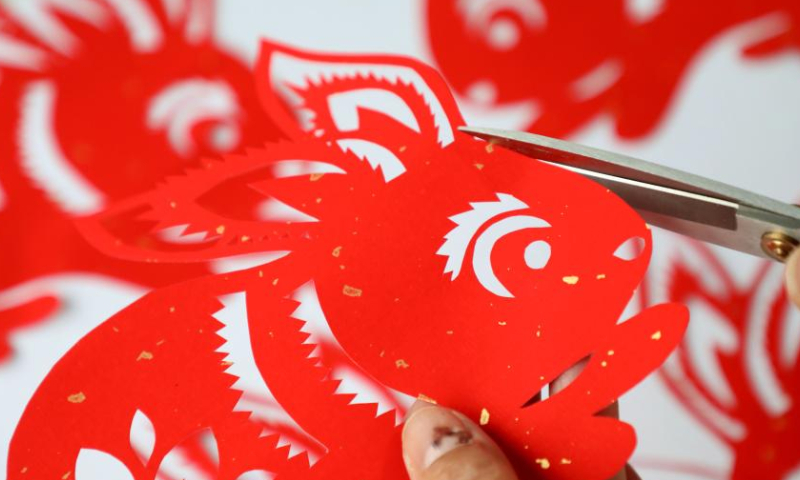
{"points": [[457, 240], [790, 346], [597, 81], [353, 381], [89, 11], [362, 388], [143, 29], [482, 256], [274, 210], [42, 158], [642, 11], [238, 350], [245, 261], [142, 436], [199, 21], [762, 28], [17, 54], [175, 10], [631, 249], [344, 107], [478, 13], [256, 475], [705, 341], [378, 156], [765, 384], [39, 19], [731, 428], [178, 464], [208, 443], [298, 168], [182, 104], [94, 464], [175, 236]]}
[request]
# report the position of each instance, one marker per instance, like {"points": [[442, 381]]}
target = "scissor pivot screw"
{"points": [[778, 245]]}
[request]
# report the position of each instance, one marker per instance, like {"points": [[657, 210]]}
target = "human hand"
{"points": [[442, 444], [793, 277]]}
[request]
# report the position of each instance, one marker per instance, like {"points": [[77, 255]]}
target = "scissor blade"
{"points": [[678, 201], [601, 161], [704, 218]]}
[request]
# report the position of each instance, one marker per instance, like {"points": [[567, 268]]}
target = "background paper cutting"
{"points": [[158, 145]]}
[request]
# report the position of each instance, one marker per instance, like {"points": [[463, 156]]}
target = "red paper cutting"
{"points": [[565, 63], [755, 341], [22, 315], [101, 100], [444, 267]]}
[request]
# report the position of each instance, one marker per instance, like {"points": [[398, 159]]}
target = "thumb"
{"points": [[441, 444], [793, 276]]}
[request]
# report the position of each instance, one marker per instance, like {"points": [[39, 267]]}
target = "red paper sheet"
{"points": [[563, 63], [446, 268], [749, 402], [101, 100]]}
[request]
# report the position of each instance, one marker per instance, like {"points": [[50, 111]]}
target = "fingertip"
{"points": [[430, 432], [793, 276], [419, 404], [441, 444]]}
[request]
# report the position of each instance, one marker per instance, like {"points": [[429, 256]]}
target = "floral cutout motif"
{"points": [[374, 185], [184, 460], [552, 66], [748, 333], [167, 94]]}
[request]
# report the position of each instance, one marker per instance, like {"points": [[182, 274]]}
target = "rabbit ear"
{"points": [[220, 210], [383, 108]]}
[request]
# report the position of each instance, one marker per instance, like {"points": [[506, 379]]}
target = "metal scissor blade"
{"points": [[678, 201]]}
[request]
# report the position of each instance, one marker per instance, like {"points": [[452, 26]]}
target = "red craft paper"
{"points": [[760, 423], [21, 315], [444, 267], [566, 63], [101, 102]]}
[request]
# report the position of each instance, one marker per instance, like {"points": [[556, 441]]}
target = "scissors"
{"points": [[688, 204]]}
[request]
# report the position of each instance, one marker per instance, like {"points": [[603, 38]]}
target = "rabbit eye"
{"points": [[537, 254], [504, 34], [630, 249], [223, 136], [502, 21]]}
